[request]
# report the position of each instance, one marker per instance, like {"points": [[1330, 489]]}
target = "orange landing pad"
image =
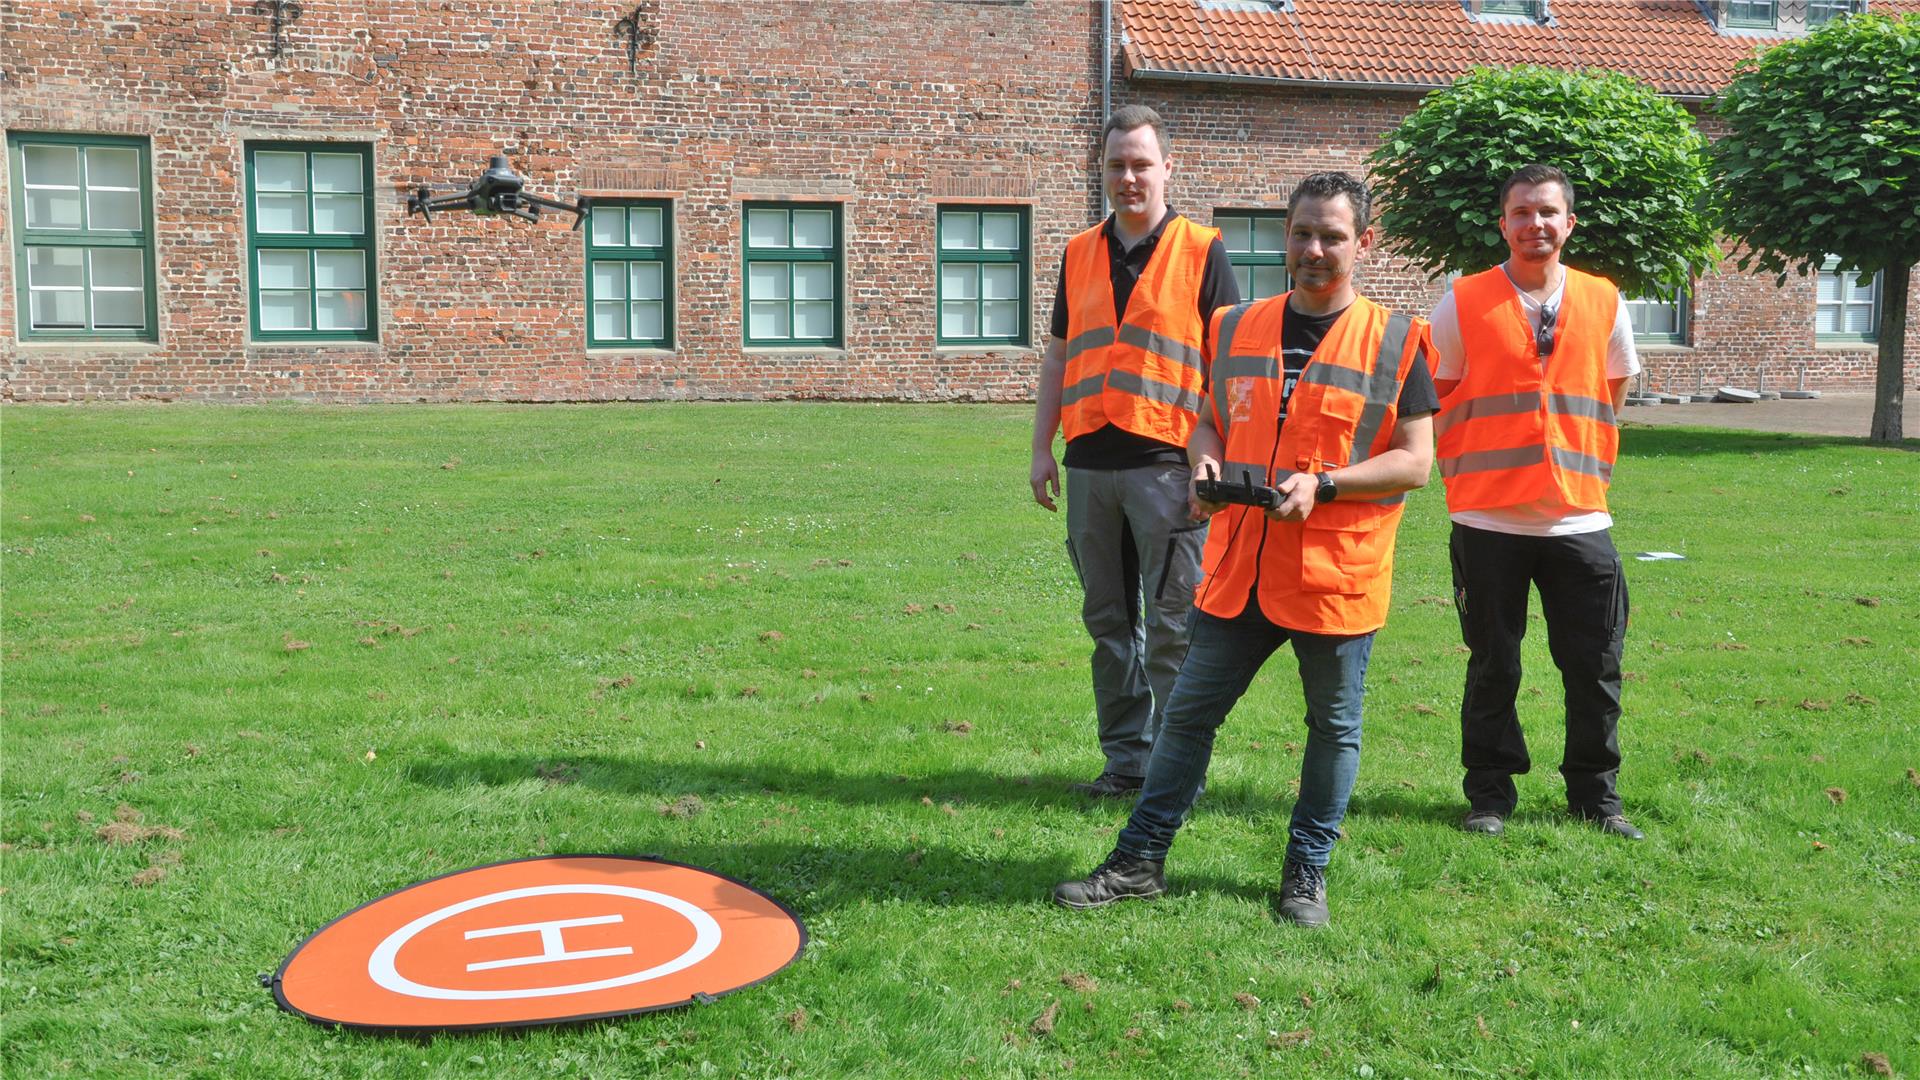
{"points": [[539, 941]]}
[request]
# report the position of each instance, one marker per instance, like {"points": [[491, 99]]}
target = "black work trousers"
{"points": [[1583, 594]]}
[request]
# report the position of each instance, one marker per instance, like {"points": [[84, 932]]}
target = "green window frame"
{"points": [[983, 275], [1845, 307], [83, 237], [791, 258], [1660, 318], [311, 274], [1753, 14], [630, 274], [1256, 243]]}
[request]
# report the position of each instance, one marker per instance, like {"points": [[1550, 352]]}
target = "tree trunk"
{"points": [[1890, 383]]}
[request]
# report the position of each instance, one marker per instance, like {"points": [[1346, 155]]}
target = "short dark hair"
{"points": [[1128, 117], [1326, 185], [1537, 174]]}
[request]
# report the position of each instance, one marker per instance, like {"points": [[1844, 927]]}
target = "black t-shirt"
{"points": [[1110, 447], [1301, 334]]}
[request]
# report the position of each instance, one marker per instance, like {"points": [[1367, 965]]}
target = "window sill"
{"points": [[75, 344], [1661, 347], [984, 350], [825, 352], [648, 352], [1845, 345], [313, 343]]}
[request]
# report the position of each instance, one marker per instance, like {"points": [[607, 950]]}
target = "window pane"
{"points": [[813, 228], [960, 281], [1000, 282], [1268, 281], [113, 167], [959, 231], [767, 281], [113, 210], [813, 320], [647, 226], [1826, 319], [609, 226], [812, 281], [1235, 232], [1000, 232], [53, 208], [1269, 235], [1859, 318], [961, 320], [53, 267], [342, 309], [284, 311], [1244, 275], [116, 268], [338, 172], [768, 322], [647, 321], [339, 270], [338, 214], [282, 214], [609, 280], [55, 165], [645, 277], [1001, 318], [283, 269], [277, 171], [1830, 286], [609, 320], [1863, 286], [63, 310], [767, 228]]}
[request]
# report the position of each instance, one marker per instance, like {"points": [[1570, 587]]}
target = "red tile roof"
{"points": [[1669, 44]]}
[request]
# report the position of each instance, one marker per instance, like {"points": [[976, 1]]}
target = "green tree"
{"points": [[1822, 157], [1637, 162]]}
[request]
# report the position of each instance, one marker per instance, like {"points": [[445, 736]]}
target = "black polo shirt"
{"points": [[1110, 447]]}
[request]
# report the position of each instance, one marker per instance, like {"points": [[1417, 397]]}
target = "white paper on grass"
{"points": [[1656, 556]]}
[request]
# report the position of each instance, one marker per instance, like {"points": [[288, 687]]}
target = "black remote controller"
{"points": [[1244, 493]]}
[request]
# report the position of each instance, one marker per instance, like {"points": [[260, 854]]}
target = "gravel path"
{"points": [[1830, 414]]}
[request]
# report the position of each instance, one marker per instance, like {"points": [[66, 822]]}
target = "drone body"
{"points": [[498, 191]]}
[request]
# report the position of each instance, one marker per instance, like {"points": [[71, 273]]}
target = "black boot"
{"points": [[1121, 877]]}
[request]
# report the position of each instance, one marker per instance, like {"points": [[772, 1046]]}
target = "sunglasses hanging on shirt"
{"points": [[1543, 338]]}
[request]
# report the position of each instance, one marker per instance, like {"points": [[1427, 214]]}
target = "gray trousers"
{"points": [[1138, 558]]}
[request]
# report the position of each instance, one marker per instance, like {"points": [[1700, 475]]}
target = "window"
{"points": [[1256, 243], [630, 274], [1752, 13], [310, 241], [1659, 319], [1846, 304], [983, 276], [1529, 8], [793, 274], [83, 248], [1822, 12]]}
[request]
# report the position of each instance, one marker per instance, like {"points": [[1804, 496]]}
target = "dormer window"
{"points": [[1783, 15]]}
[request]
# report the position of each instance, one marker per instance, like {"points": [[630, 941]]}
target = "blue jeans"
{"points": [[1226, 654]]}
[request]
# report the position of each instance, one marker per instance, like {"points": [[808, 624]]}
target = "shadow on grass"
{"points": [[1648, 441]]}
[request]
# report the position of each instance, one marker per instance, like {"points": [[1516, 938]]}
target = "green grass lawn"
{"points": [[322, 653]]}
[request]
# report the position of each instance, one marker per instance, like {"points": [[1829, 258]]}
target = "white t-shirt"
{"points": [[1547, 516]]}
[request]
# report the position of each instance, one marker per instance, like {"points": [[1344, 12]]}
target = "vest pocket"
{"points": [[1342, 555]]}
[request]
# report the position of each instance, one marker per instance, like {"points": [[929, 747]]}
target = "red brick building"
{"points": [[205, 199]]}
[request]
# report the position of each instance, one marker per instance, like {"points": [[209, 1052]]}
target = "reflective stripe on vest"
{"points": [[1145, 375], [1332, 573], [1516, 428]]}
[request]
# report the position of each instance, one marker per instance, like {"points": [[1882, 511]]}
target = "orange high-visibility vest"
{"points": [[1333, 573], [1145, 375], [1516, 428]]}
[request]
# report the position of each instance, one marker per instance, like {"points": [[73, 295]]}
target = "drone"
{"points": [[498, 191]]}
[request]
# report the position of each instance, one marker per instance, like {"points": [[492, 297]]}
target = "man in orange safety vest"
{"points": [[1324, 396]]}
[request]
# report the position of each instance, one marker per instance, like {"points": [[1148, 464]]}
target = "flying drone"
{"points": [[498, 191]]}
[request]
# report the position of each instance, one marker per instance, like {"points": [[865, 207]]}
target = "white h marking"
{"points": [[552, 948]]}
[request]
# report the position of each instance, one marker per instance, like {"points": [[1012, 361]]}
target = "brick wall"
{"points": [[888, 109]]}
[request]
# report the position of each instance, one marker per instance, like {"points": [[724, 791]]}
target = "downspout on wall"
{"points": [[1106, 83]]}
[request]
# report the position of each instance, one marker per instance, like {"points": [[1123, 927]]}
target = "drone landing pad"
{"points": [[538, 941]]}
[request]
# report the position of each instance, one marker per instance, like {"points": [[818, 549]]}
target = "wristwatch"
{"points": [[1327, 489]]}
